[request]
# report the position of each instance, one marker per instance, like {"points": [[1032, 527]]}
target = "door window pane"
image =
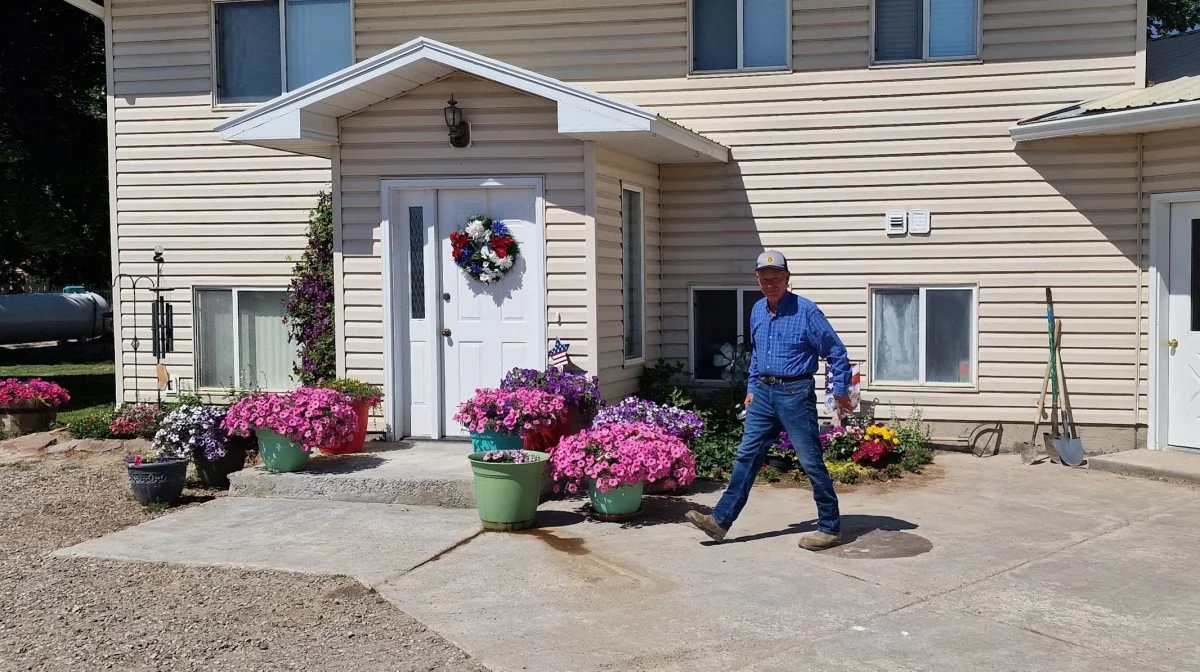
{"points": [[248, 56], [416, 261], [898, 30], [749, 298], [714, 33], [765, 33], [953, 28], [633, 272], [895, 336], [948, 330], [214, 338], [318, 39], [1195, 281]]}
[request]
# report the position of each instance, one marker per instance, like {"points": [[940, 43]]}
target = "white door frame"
{"points": [[1157, 411], [394, 364]]}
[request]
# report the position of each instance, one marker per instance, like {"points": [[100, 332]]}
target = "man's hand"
{"points": [[844, 405], [749, 399]]}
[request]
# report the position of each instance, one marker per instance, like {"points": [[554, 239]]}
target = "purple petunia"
{"points": [[684, 425]]}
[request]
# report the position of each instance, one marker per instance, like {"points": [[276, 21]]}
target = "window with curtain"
{"points": [[257, 60], [923, 335], [720, 316], [634, 273], [917, 30], [241, 339], [730, 35]]}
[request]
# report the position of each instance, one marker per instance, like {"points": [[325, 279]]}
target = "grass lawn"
{"points": [[86, 370]]}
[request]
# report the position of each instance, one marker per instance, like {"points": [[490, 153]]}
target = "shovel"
{"points": [[1048, 438], [1069, 446], [1028, 449]]}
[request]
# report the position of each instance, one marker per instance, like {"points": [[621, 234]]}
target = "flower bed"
{"points": [[136, 421], [853, 453]]}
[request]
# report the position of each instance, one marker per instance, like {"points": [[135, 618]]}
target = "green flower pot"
{"points": [[623, 501], [506, 495], [482, 442], [278, 453]]}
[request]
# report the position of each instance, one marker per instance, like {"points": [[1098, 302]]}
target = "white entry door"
{"points": [[1183, 352], [454, 334]]}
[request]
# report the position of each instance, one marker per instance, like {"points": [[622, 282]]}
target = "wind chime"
{"points": [[162, 323]]}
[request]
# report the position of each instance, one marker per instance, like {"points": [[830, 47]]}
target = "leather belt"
{"points": [[777, 380]]}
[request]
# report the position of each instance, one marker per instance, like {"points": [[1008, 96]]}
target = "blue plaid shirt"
{"points": [[793, 341]]}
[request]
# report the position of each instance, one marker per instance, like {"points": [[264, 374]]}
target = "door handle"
{"points": [[446, 333], [1173, 343]]}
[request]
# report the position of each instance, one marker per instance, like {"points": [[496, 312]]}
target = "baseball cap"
{"points": [[771, 259]]}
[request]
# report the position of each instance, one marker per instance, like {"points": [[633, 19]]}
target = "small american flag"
{"points": [[558, 354]]}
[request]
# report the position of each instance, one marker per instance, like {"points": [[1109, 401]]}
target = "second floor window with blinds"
{"points": [[926, 30], [733, 35]]}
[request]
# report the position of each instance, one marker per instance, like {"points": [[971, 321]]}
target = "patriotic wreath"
{"points": [[483, 249]]}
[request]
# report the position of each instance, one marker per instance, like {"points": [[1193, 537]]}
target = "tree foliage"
{"points": [[53, 144], [1167, 16], [310, 305]]}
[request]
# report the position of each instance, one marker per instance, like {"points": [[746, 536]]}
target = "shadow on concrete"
{"points": [[343, 464], [853, 527]]}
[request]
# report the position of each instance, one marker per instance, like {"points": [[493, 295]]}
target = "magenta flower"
{"points": [[14, 393], [307, 416], [521, 411], [618, 454]]}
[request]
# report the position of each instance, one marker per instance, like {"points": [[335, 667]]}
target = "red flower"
{"points": [[458, 239], [500, 246]]}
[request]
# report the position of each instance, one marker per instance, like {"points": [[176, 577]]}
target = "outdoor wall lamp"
{"points": [[460, 131]]}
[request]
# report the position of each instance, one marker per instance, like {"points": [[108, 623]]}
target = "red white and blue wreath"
{"points": [[483, 249]]}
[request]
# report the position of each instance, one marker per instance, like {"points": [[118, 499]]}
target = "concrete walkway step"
{"points": [[1162, 464], [428, 473]]}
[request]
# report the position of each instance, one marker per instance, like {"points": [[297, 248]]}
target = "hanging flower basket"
{"points": [[485, 250]]}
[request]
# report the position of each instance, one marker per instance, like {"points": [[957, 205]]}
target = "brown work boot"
{"points": [[706, 523], [819, 541]]}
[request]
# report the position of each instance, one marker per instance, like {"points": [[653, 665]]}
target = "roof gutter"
{"points": [[94, 8], [1140, 120]]}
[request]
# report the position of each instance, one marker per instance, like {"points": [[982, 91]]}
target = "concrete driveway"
{"points": [[993, 566]]}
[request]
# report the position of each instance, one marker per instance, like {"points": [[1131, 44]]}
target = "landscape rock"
{"points": [[98, 445], [136, 446], [63, 447], [30, 444]]}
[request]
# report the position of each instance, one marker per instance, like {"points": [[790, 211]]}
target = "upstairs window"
{"points": [[732, 35], [266, 47], [926, 30]]}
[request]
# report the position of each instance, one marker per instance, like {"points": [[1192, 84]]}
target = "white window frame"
{"points": [[213, 49], [925, 57], [641, 192], [922, 383], [742, 337], [196, 319], [741, 52]]}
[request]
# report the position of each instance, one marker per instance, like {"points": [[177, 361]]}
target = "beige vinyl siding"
{"points": [[612, 171], [513, 134], [226, 214]]}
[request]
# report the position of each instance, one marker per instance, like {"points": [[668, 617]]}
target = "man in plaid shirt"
{"points": [[789, 336]]}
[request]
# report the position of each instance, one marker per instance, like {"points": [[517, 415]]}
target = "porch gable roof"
{"points": [[305, 121], [1161, 107]]}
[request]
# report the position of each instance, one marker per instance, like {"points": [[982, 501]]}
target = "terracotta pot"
{"points": [[363, 410]]}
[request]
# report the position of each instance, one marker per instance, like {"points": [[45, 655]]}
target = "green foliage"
{"points": [[769, 474], [353, 387], [1168, 16], [912, 432], [662, 383], [310, 313], [916, 459], [894, 471], [847, 471], [91, 426]]}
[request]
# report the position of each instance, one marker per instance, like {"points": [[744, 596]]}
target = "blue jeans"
{"points": [[791, 407]]}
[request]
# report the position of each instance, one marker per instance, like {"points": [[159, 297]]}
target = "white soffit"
{"points": [[305, 121]]}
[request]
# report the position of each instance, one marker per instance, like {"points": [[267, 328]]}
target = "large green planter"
{"points": [[623, 501], [506, 495], [481, 442], [278, 453]]}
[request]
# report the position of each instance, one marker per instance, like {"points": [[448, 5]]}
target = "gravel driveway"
{"points": [[59, 614]]}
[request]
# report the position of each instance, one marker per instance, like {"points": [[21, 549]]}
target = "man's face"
{"points": [[773, 283]]}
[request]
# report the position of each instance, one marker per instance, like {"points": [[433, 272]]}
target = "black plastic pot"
{"points": [[215, 473], [779, 462], [158, 481]]}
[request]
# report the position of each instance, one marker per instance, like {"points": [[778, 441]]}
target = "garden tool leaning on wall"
{"points": [[1029, 449]]}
